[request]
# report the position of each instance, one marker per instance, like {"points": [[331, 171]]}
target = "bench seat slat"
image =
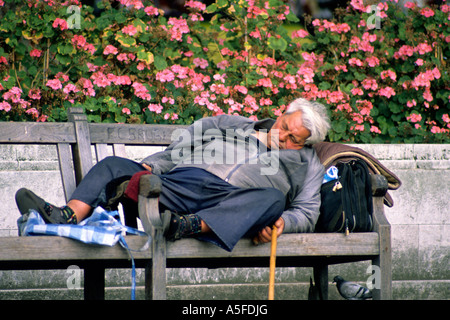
{"points": [[50, 248], [311, 244]]}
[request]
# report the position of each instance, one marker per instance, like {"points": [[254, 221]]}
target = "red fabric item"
{"points": [[132, 190]]}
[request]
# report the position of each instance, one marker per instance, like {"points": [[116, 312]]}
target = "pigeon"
{"points": [[350, 290]]}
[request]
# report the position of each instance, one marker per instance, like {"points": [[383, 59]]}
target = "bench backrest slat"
{"points": [[34, 132], [132, 134]]}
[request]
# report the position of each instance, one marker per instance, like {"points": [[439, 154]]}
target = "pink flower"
{"points": [[419, 62], [265, 102], [129, 30], [387, 92], [436, 129], [141, 91], [335, 97], [169, 100], [35, 94], [265, 82], [165, 76], [5, 106], [126, 111], [54, 84], [121, 80], [427, 12], [414, 117], [179, 27], [389, 74], [436, 73], [155, 107], [410, 5], [200, 62], [370, 83], [423, 48], [61, 23], [404, 52], [411, 103], [123, 57], [342, 67], [100, 79], [446, 118], [373, 61], [110, 49], [300, 34], [357, 91], [375, 129], [35, 53], [241, 89], [343, 28], [358, 5], [196, 5], [33, 112], [369, 37], [355, 62], [427, 95], [151, 11], [137, 4], [79, 41], [256, 34], [70, 88]]}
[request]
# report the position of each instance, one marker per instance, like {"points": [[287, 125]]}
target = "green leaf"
{"points": [[394, 107], [324, 85], [64, 60], [125, 41], [324, 40], [222, 3], [292, 17], [120, 18], [211, 8], [160, 63], [340, 126], [277, 44], [145, 56]]}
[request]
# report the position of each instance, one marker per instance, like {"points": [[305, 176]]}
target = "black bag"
{"points": [[347, 202]]}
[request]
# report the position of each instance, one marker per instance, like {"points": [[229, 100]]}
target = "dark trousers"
{"points": [[231, 212]]}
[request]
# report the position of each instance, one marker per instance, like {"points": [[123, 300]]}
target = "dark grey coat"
{"points": [[224, 145]]}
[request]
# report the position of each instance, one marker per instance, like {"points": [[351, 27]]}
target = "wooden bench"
{"points": [[74, 141]]}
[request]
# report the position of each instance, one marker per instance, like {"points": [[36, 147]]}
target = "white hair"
{"points": [[314, 118]]}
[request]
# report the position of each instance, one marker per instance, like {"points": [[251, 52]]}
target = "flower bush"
{"points": [[383, 84], [131, 64]]}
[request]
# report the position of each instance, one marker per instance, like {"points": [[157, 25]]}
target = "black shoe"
{"points": [[26, 200]]}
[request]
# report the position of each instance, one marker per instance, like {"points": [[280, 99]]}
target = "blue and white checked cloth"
{"points": [[101, 228]]}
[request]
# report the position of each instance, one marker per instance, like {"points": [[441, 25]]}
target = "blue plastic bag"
{"points": [[100, 228]]}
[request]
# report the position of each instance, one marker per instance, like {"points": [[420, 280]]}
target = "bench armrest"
{"points": [[379, 185]]}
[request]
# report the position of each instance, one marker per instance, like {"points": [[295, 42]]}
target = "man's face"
{"points": [[290, 131]]}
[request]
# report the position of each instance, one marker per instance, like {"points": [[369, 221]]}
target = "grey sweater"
{"points": [[225, 146]]}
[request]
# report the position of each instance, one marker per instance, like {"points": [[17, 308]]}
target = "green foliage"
{"points": [[131, 64]]}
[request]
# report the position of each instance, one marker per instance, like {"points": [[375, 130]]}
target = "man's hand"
{"points": [[146, 166], [265, 235]]}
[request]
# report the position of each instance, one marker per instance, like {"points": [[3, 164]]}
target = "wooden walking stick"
{"points": [[273, 256]]}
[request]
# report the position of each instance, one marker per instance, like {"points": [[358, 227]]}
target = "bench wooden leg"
{"points": [[94, 283], [155, 271], [383, 276], [321, 280]]}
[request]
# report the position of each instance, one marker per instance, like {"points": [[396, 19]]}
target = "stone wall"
{"points": [[419, 218]]}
